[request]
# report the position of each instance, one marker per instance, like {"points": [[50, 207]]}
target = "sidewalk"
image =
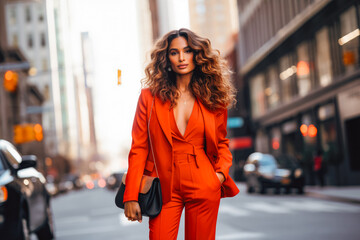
{"points": [[349, 194]]}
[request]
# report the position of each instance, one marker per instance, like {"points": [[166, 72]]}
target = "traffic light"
{"points": [[18, 134], [38, 132], [24, 133], [10, 81]]}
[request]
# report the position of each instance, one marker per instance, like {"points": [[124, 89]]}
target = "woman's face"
{"points": [[181, 56]]}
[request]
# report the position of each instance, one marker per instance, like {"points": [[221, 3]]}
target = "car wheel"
{"points": [[300, 190], [24, 233], [46, 232]]}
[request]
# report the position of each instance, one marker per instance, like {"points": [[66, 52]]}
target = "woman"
{"points": [[188, 93]]}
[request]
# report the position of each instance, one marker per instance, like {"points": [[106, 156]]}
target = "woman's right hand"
{"points": [[133, 211]]}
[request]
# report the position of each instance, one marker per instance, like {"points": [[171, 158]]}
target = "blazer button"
{"points": [[215, 156]]}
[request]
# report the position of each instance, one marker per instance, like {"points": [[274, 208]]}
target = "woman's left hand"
{"points": [[221, 177]]}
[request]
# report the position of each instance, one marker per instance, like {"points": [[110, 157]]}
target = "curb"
{"points": [[332, 198]]}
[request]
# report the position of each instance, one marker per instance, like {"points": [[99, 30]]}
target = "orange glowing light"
{"points": [[119, 77], [10, 81], [275, 144], [90, 185], [312, 131], [304, 130], [101, 183], [48, 161], [3, 193], [38, 132], [302, 68]]}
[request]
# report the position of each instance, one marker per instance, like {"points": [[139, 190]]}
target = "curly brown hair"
{"points": [[210, 81]]}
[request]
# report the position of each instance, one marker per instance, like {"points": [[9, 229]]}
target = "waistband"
{"points": [[189, 155]]}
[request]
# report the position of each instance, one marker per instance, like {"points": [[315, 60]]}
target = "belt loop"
{"points": [[195, 155]]}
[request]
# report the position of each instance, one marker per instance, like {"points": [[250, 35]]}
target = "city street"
{"points": [[92, 214]]}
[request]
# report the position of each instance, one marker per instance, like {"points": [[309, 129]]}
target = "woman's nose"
{"points": [[181, 57]]}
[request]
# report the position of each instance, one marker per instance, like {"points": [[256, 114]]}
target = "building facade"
{"points": [[27, 29], [299, 60], [216, 20]]}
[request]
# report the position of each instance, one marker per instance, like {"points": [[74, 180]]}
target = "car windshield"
{"points": [[286, 161], [267, 160]]}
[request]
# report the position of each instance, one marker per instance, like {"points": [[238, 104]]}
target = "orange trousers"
{"points": [[197, 188]]}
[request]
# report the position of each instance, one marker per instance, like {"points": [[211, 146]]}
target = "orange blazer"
{"points": [[140, 156]]}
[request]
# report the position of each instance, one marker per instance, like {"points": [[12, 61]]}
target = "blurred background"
{"points": [[70, 76]]}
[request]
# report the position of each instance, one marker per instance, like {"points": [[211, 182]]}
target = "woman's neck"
{"points": [[183, 82]]}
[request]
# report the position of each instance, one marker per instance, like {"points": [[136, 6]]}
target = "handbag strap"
{"points": [[152, 150]]}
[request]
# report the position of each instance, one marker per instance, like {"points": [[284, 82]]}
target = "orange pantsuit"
{"points": [[187, 166]]}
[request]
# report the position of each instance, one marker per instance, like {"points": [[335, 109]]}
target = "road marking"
{"points": [[227, 209], [266, 207], [71, 220], [320, 207], [104, 211], [244, 235], [85, 231]]}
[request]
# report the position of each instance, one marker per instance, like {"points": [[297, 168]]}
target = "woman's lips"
{"points": [[182, 66]]}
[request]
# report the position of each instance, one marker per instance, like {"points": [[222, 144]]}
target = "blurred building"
{"points": [[168, 15], [72, 77], [299, 62], [216, 20], [27, 29]]}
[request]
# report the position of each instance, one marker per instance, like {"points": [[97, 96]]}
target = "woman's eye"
{"points": [[188, 51], [173, 53]]}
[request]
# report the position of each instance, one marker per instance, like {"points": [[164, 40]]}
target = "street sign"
{"points": [[235, 122]]}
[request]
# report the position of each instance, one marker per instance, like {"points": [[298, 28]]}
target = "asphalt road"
{"points": [[92, 214]]}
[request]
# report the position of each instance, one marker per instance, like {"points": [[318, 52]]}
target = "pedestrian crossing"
{"points": [[285, 207]]}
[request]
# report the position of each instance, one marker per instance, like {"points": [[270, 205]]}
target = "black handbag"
{"points": [[150, 200], [150, 197]]}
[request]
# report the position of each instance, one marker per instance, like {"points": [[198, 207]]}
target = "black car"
{"points": [[114, 180], [24, 201], [264, 171]]}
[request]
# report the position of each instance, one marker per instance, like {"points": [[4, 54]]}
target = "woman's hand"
{"points": [[132, 211], [221, 177]]}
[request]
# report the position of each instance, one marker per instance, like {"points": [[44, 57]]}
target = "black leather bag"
{"points": [[150, 197]]}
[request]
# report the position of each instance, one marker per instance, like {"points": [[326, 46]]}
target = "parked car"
{"points": [[70, 182], [24, 200], [114, 180], [263, 171]]}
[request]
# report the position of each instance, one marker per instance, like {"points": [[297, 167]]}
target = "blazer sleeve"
{"points": [[224, 160], [139, 149]]}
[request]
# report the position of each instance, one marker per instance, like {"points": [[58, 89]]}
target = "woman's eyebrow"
{"points": [[178, 49]]}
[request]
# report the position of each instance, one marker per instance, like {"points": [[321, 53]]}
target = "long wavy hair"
{"points": [[210, 81]]}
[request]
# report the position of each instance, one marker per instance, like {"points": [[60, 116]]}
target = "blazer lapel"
{"points": [[162, 114], [209, 122]]}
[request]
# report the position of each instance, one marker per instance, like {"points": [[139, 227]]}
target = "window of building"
{"points": [[303, 69], [28, 14], [12, 15], [40, 13], [349, 39], [257, 90], [287, 74], [30, 40], [272, 90], [323, 57], [43, 40], [261, 141], [44, 64], [15, 40]]}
